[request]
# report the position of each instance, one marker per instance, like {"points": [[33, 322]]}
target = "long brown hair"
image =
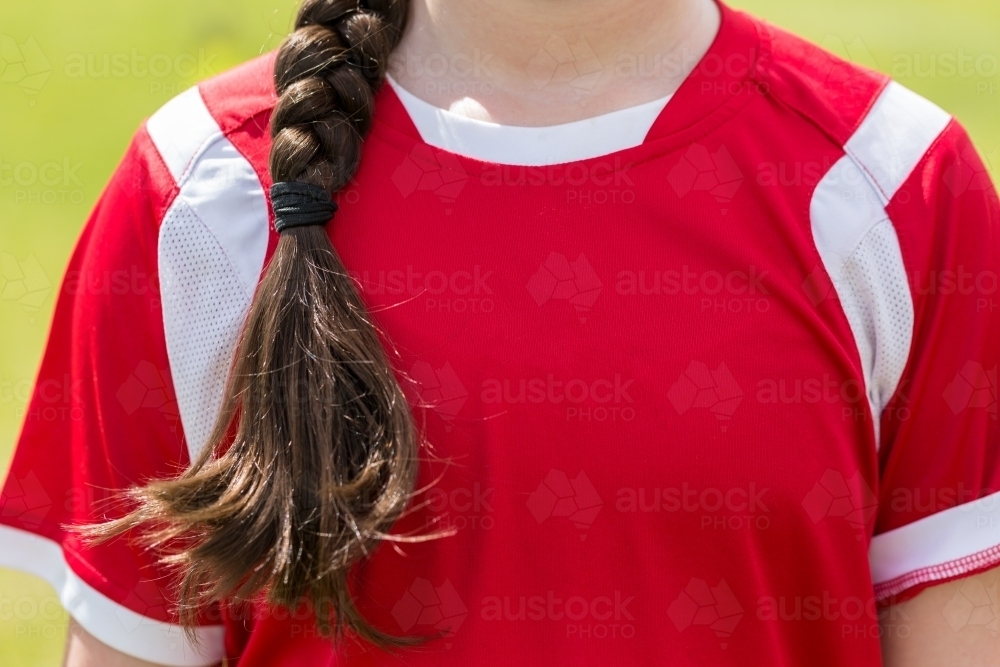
{"points": [[324, 456]]}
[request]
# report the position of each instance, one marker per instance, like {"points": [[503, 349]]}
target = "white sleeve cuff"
{"points": [[109, 622], [941, 546]]}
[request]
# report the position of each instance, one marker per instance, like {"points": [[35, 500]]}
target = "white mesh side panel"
{"points": [[224, 192], [204, 306], [875, 295], [211, 251], [858, 243], [860, 251]]}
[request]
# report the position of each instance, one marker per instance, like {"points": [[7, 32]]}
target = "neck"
{"points": [[535, 63]]}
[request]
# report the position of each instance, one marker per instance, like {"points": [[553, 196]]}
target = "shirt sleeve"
{"points": [[103, 417], [939, 506]]}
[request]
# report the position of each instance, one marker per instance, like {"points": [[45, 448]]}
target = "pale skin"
{"points": [[492, 60], [935, 629], [83, 650]]}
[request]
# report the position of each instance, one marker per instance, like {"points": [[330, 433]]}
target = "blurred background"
{"points": [[64, 126]]}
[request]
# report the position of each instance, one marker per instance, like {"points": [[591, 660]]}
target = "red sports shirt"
{"points": [[704, 401]]}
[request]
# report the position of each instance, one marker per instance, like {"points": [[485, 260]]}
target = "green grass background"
{"points": [[85, 123]]}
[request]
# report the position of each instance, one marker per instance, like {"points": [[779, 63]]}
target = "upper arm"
{"points": [[83, 650], [953, 624], [103, 417], [939, 459]]}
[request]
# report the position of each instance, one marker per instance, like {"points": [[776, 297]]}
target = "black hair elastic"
{"points": [[298, 204]]}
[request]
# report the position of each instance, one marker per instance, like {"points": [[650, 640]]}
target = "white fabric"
{"points": [[109, 622], [876, 297], [895, 135], [211, 249], [936, 540], [530, 146], [180, 129], [844, 208], [860, 251], [858, 243], [212, 244], [224, 192]]}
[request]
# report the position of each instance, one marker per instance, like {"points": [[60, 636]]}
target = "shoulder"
{"points": [[847, 101], [213, 140], [212, 240], [887, 132], [868, 223], [234, 106]]}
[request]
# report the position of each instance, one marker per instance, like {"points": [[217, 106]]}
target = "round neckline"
{"points": [[531, 146], [735, 72]]}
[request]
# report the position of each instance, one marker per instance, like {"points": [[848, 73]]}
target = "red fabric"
{"points": [[952, 265], [102, 416], [935, 419], [631, 395]]}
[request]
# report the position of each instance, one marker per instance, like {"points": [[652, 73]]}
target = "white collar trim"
{"points": [[530, 146]]}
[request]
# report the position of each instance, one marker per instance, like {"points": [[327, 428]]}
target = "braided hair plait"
{"points": [[326, 74], [324, 456]]}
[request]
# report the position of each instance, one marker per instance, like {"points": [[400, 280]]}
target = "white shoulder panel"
{"points": [[181, 129], [895, 135], [844, 208], [857, 241], [211, 250], [224, 192]]}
